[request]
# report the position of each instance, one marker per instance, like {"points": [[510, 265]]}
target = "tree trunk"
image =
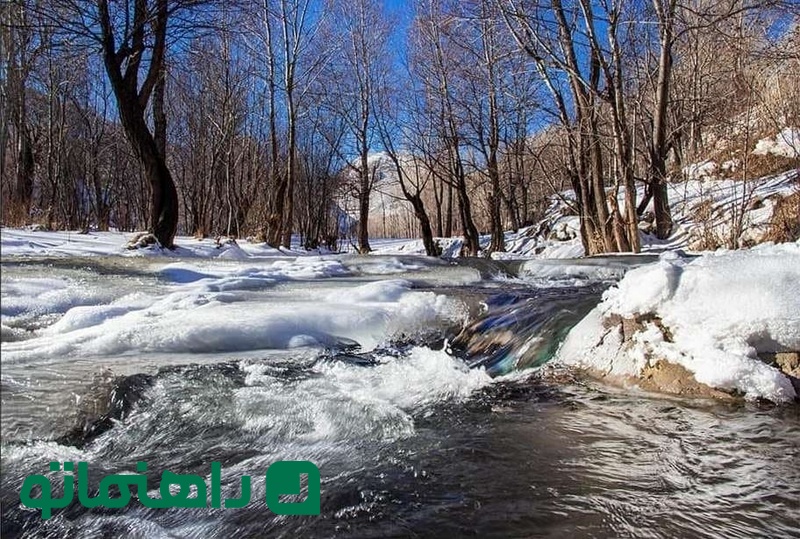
{"points": [[276, 202], [159, 115], [498, 243], [23, 187], [661, 210], [288, 220], [448, 216], [468, 228], [438, 198], [658, 153], [23, 190], [363, 220], [424, 224]]}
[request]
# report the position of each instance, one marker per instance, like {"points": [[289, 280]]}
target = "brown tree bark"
{"points": [[15, 110], [363, 202], [132, 103], [275, 217], [426, 231], [657, 176], [471, 244], [23, 189]]}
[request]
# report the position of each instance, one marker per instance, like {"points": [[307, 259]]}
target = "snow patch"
{"points": [[697, 171], [377, 292], [784, 144], [32, 241]]}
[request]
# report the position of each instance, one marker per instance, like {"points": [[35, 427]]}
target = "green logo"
{"points": [[284, 478]]}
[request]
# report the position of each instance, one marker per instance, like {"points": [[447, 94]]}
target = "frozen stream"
{"points": [[361, 365]]}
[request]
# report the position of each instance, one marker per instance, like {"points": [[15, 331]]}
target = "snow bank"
{"points": [[244, 277], [451, 247], [562, 240], [31, 301], [719, 311], [706, 210], [377, 292]]}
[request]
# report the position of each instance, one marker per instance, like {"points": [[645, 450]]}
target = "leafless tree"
{"points": [[359, 75]]}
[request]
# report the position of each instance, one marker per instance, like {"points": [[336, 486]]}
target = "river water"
{"points": [[411, 385]]}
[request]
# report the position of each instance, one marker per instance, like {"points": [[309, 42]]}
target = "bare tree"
{"points": [[126, 39], [363, 56], [18, 47], [435, 64], [480, 39], [658, 146], [413, 176]]}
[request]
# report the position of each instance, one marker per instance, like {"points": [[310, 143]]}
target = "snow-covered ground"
{"points": [[712, 315], [33, 242], [706, 210]]}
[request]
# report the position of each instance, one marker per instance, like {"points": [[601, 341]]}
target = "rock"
{"points": [[789, 363], [109, 401], [562, 231], [755, 204], [647, 223], [222, 241], [666, 377], [647, 228], [142, 240], [635, 324], [12, 334], [662, 376]]}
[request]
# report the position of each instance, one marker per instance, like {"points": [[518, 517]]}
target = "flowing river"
{"points": [[411, 384]]}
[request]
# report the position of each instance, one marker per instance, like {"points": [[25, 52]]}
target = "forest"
{"points": [[329, 121]]}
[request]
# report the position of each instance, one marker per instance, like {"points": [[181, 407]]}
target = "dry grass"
{"points": [[785, 224], [759, 166], [13, 215], [706, 238]]}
